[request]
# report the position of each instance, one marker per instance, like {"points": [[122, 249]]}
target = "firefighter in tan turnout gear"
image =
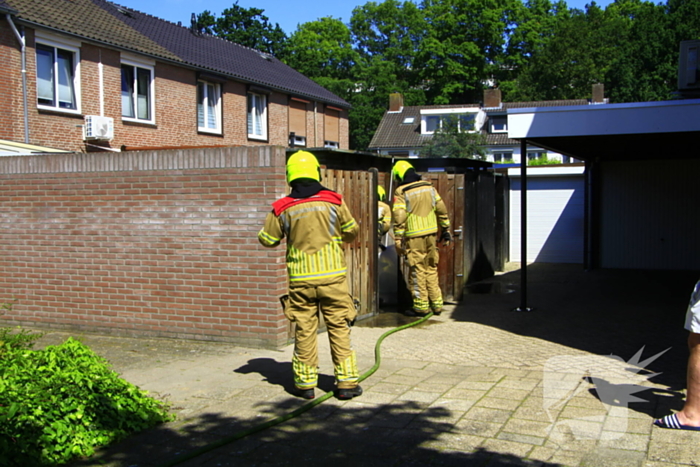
{"points": [[418, 210], [384, 212], [315, 222]]}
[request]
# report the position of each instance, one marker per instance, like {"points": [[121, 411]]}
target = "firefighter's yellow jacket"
{"points": [[383, 217], [418, 209], [315, 227]]}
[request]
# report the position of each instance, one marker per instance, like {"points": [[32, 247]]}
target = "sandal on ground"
{"points": [[671, 422]]}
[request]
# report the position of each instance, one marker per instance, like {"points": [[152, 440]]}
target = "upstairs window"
{"points": [[257, 116], [208, 107], [536, 155], [503, 157], [499, 124], [137, 92], [57, 76], [434, 119], [432, 123]]}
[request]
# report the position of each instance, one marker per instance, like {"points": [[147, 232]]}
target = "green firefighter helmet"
{"points": [[400, 169], [303, 164], [381, 193]]}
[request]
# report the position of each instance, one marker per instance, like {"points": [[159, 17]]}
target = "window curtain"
{"points": [[44, 74], [200, 105], [256, 114], [212, 104], [66, 91], [127, 92], [143, 94]]}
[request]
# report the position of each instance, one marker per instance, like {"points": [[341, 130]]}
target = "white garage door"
{"points": [[555, 209]]}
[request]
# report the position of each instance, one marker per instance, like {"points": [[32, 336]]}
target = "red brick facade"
{"points": [[175, 106], [144, 243]]}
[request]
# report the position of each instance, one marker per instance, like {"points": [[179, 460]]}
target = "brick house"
{"points": [[126, 80], [404, 130]]}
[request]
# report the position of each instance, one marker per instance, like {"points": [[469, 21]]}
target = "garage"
{"points": [[642, 208], [555, 207]]}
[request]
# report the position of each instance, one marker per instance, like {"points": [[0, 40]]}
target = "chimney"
{"points": [[598, 93], [492, 98], [395, 102]]}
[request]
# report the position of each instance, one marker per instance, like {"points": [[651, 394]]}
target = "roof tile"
{"points": [[139, 32]]}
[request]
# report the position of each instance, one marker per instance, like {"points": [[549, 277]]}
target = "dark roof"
{"points": [[5, 8], [393, 133], [523, 105], [132, 30]]}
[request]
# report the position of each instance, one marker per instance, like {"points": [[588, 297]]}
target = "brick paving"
{"points": [[479, 385]]}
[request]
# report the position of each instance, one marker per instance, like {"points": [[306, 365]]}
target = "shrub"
{"points": [[63, 401], [543, 161]]}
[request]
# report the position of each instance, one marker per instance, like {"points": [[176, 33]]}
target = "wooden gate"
{"points": [[452, 260], [359, 192], [451, 267]]}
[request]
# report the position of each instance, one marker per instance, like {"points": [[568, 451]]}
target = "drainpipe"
{"points": [[21, 40], [315, 125]]}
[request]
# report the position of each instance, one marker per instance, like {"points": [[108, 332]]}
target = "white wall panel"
{"points": [[555, 213]]}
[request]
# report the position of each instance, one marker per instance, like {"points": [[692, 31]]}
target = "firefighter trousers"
{"points": [[423, 256], [334, 303]]}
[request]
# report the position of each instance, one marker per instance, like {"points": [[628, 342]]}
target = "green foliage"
{"points": [[451, 140], [543, 161], [245, 26], [63, 401], [447, 51], [322, 48]]}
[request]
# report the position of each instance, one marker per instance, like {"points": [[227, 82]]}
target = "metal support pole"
{"points": [[523, 228]]}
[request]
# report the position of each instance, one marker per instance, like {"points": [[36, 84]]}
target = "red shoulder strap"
{"points": [[285, 203]]}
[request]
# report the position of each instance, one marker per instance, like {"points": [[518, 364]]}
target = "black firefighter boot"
{"points": [[349, 393]]}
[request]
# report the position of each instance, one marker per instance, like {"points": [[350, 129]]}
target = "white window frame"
{"points": [[429, 114], [252, 107], [505, 155], [67, 46], [204, 88], [149, 66], [533, 154], [492, 127]]}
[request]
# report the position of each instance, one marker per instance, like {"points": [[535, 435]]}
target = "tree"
{"points": [[245, 26], [531, 26], [464, 42], [322, 49], [452, 140]]}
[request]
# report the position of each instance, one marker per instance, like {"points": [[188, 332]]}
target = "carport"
{"points": [[642, 207]]}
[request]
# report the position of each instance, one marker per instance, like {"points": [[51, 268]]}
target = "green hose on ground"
{"points": [[295, 413]]}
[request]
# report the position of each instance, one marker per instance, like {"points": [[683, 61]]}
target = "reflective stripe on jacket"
{"points": [[314, 227], [418, 208]]}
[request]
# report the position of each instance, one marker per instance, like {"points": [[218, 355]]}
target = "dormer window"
{"points": [[498, 124], [433, 119]]}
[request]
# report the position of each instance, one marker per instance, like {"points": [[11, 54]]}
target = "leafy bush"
{"points": [[63, 401], [543, 161]]}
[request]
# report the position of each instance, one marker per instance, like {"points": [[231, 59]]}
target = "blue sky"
{"points": [[285, 12]]}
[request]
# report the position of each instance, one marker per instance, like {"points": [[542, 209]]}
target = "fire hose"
{"points": [[283, 418]]}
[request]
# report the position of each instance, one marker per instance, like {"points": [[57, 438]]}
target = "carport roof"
{"points": [[631, 131]]}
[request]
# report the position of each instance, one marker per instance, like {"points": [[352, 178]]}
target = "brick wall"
{"points": [[10, 84], [144, 243], [175, 99]]}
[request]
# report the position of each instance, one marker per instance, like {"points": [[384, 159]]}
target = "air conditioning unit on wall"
{"points": [[98, 128]]}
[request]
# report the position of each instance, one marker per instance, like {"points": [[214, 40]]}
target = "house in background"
{"points": [[403, 131], [84, 75]]}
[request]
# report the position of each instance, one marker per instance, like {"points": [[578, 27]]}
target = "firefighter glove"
{"points": [[399, 247], [446, 238]]}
